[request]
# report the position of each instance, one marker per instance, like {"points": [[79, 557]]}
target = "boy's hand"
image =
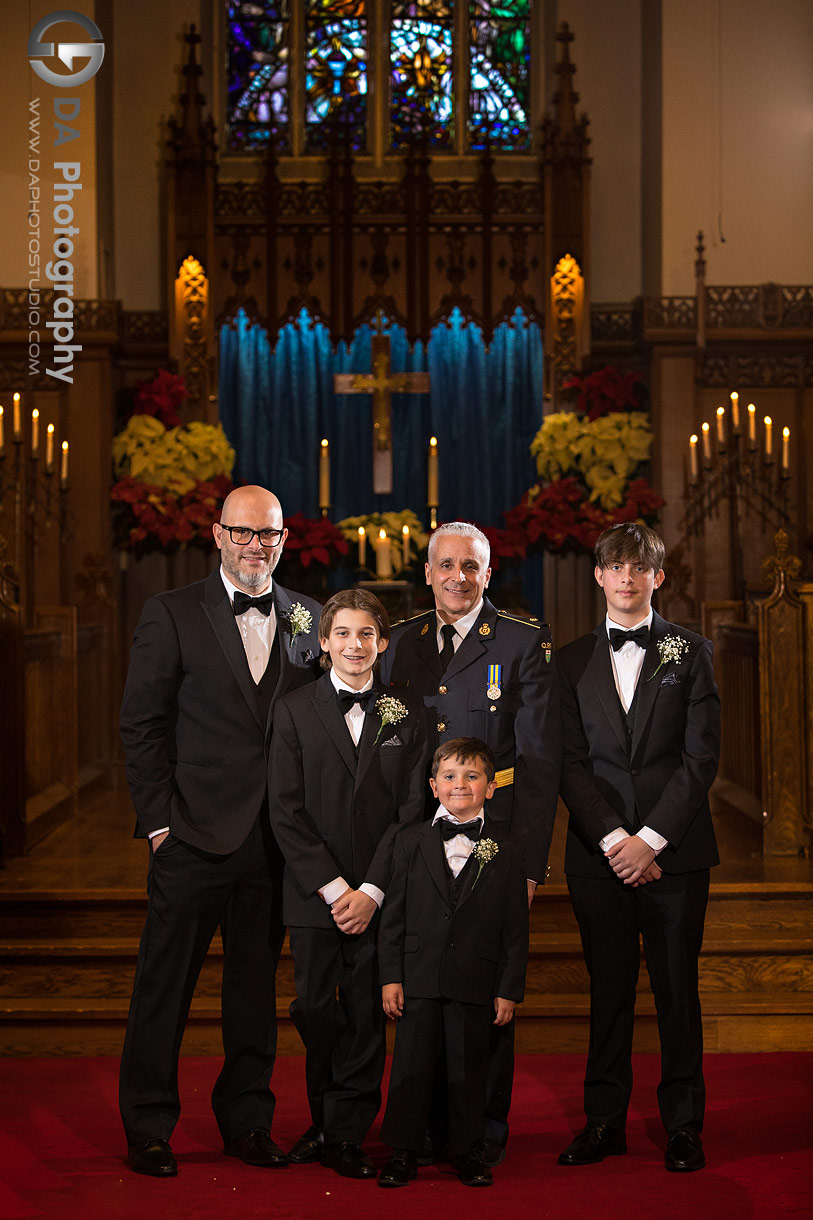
{"points": [[630, 858], [353, 911], [392, 997], [653, 873], [504, 1010]]}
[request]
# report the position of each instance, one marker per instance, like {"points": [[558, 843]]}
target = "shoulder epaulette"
{"points": [[402, 622], [528, 622]]}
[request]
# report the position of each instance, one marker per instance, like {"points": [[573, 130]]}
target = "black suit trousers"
{"points": [[340, 1019], [190, 893], [669, 915]]}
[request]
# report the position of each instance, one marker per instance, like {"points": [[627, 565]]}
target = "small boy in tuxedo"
{"points": [[347, 764], [453, 949], [641, 740]]}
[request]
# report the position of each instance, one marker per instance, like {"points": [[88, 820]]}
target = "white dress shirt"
{"points": [[354, 719], [462, 626], [460, 847], [627, 664]]}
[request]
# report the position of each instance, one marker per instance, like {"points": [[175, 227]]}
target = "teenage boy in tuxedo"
{"points": [[453, 949], [641, 741], [347, 761]]}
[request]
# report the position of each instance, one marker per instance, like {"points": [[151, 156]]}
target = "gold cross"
{"points": [[382, 384]]}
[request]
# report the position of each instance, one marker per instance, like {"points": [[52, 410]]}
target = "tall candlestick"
{"points": [[35, 433], [721, 427], [693, 458], [362, 546], [383, 559], [786, 450], [405, 545], [768, 437], [432, 474], [18, 423], [63, 474], [735, 412], [49, 449], [2, 433], [706, 444], [752, 425], [324, 476]]}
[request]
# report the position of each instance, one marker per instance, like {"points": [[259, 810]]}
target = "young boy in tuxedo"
{"points": [[453, 949], [347, 765], [641, 740]]}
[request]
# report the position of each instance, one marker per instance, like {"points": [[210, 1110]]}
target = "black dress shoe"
{"points": [[684, 1151], [153, 1157], [593, 1144], [308, 1148], [472, 1169], [257, 1148], [400, 1169], [492, 1152], [432, 1150], [348, 1159]]}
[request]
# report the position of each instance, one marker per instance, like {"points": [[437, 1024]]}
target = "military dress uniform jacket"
{"points": [[500, 686]]}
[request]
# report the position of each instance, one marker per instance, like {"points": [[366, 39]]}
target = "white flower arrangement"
{"points": [[484, 851], [300, 620], [391, 711], [670, 648]]}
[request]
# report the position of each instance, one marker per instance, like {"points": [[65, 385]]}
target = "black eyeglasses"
{"points": [[241, 535]]}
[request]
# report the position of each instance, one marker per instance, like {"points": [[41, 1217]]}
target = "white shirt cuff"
{"points": [[163, 831], [652, 839], [334, 890], [615, 836], [372, 891]]}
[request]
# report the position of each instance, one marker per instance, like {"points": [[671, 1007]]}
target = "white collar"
{"points": [[339, 685], [465, 623]]}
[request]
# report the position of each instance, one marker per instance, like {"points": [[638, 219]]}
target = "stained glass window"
{"points": [[499, 73], [329, 67], [258, 76], [421, 71], [336, 72]]}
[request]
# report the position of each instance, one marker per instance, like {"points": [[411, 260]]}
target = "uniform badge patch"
{"points": [[424, 629], [485, 629]]}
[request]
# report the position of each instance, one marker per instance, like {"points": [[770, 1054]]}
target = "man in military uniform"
{"points": [[482, 673]]}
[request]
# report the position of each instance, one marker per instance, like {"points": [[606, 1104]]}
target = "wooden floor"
{"points": [[71, 913]]}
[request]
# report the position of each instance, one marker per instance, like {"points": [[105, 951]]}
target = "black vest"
{"points": [[268, 682]]}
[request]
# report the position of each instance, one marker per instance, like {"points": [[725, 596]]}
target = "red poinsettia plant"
{"points": [[147, 517], [559, 518], [607, 390], [313, 540], [160, 397]]}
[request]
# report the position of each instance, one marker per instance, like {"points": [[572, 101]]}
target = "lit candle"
{"points": [[706, 444], [35, 433], [324, 475], [362, 546], [752, 425], [18, 425], [49, 449], [405, 544], [432, 474], [735, 412], [785, 450], [721, 427], [63, 474], [768, 437], [383, 561], [2, 432], [693, 458]]}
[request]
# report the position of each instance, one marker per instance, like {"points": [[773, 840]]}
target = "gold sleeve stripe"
{"points": [[504, 778]]}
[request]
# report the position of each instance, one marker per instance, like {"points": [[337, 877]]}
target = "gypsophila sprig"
{"points": [[391, 711], [300, 620], [484, 851], [670, 648]]}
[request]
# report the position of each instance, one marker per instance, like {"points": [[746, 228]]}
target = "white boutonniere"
{"points": [[300, 620], [484, 850], [670, 648], [391, 711]]}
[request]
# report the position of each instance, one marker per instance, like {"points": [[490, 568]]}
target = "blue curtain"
{"points": [[484, 406]]}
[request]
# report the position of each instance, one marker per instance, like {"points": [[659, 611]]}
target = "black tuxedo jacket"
{"points": [[521, 726], [191, 723], [470, 952], [657, 774], [335, 813]]}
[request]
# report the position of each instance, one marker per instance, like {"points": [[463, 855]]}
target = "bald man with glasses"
{"points": [[207, 666]]}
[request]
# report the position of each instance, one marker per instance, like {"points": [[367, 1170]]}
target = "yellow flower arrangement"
{"points": [[604, 452], [394, 524], [174, 458]]}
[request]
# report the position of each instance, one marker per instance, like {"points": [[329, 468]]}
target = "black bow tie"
{"points": [[347, 698], [449, 829], [619, 638], [243, 602]]}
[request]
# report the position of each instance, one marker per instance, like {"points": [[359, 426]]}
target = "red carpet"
{"points": [[61, 1152]]}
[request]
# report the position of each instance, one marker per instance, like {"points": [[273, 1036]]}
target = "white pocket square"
{"points": [[392, 741]]}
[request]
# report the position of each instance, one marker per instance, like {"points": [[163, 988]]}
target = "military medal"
{"points": [[494, 680]]}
